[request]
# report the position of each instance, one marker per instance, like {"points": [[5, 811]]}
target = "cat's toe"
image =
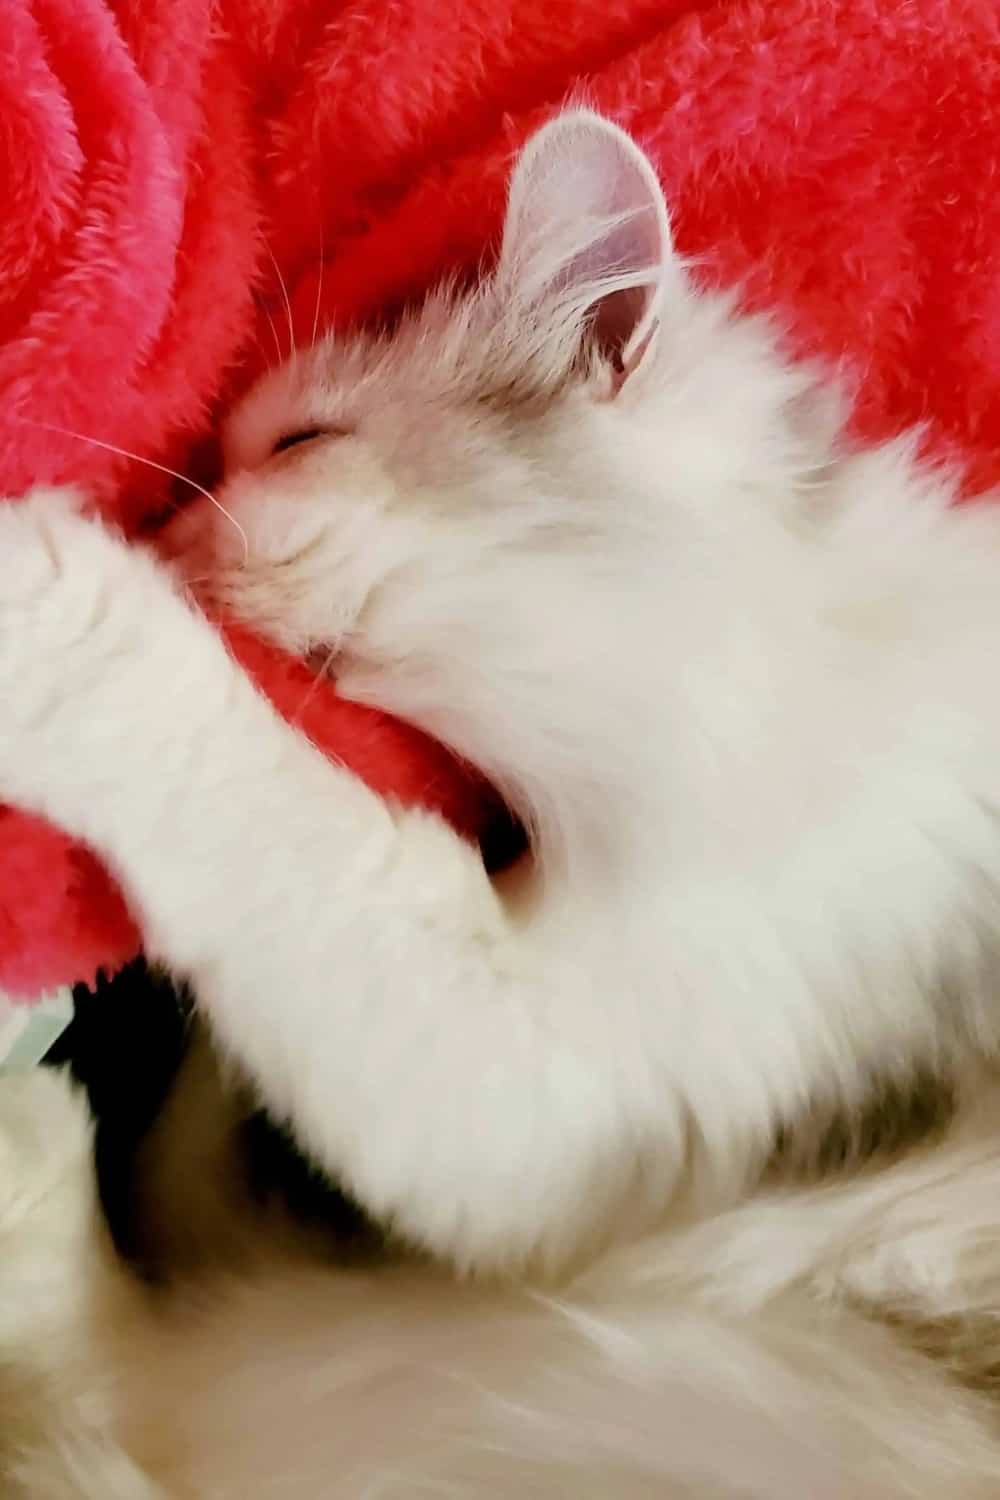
{"points": [[45, 1144]]}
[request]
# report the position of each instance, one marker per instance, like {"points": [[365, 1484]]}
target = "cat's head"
{"points": [[479, 520]]}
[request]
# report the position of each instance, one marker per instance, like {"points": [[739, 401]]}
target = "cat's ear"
{"points": [[587, 236]]}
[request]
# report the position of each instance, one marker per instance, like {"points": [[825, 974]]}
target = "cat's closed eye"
{"points": [[295, 439]]}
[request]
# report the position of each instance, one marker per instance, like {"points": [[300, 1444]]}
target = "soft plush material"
{"points": [[171, 167]]}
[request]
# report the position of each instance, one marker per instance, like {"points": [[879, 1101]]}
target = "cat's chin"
{"points": [[356, 684], [503, 839], [352, 681]]}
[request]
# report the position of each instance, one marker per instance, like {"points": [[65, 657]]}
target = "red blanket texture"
{"points": [[162, 160]]}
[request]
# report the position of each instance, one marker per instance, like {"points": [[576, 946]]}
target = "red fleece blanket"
{"points": [[164, 160]]}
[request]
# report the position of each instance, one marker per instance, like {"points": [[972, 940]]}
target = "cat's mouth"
{"points": [[502, 838], [322, 660]]}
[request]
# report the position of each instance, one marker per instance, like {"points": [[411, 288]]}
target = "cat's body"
{"points": [[589, 529]]}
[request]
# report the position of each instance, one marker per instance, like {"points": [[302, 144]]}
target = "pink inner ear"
{"points": [[632, 358], [615, 321], [586, 211]]}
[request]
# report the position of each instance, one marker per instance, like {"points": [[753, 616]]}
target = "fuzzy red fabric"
{"points": [[162, 159]]}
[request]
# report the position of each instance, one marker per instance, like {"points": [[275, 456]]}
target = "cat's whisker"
{"points": [[274, 334], [287, 301], [150, 463], [320, 672], [319, 286]]}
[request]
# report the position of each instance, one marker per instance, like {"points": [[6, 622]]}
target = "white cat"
{"points": [[587, 527]]}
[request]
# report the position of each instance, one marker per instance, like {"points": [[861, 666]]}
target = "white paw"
{"points": [[33, 535], [46, 547], [55, 576], [76, 602], [883, 1272], [50, 1224], [45, 1143]]}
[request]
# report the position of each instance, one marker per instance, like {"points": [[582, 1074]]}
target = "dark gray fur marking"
{"points": [[897, 1115]]}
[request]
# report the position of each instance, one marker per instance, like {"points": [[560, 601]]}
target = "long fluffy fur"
{"points": [[728, 670], [755, 1358]]}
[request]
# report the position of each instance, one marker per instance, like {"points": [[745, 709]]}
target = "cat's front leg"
{"points": [[356, 959], [124, 719]]}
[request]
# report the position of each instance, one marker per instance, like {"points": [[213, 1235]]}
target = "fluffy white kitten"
{"points": [[589, 529]]}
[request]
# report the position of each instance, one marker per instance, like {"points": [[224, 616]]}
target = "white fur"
{"points": [[656, 1374], [589, 528]]}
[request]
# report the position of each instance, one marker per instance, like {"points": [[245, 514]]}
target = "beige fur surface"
{"points": [[766, 1355]]}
